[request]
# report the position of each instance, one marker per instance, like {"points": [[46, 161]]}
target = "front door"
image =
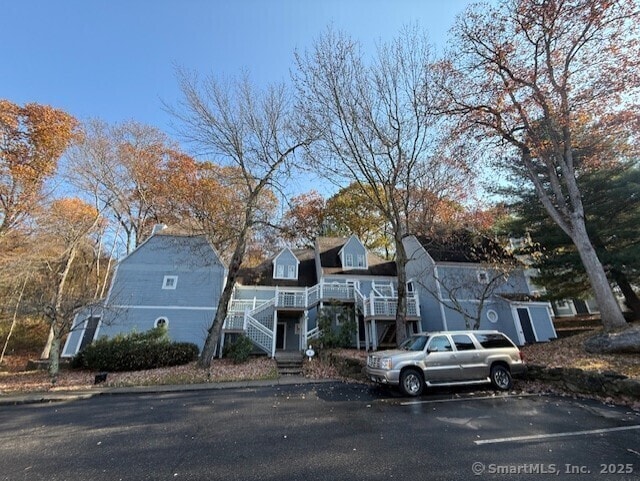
{"points": [[281, 336], [525, 322]]}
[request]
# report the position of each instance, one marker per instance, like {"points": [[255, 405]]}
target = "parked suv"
{"points": [[445, 359]]}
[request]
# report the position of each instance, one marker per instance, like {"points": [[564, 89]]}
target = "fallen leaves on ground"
{"points": [[222, 370], [569, 353]]}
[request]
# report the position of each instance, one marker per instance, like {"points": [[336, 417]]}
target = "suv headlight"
{"points": [[385, 363]]}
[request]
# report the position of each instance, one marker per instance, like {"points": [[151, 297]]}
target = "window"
{"points": [[463, 342], [161, 322], [492, 316], [170, 282], [410, 287], [414, 343], [285, 272], [348, 260], [483, 277], [361, 260], [489, 341], [440, 344]]}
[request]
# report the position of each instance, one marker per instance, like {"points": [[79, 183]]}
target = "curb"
{"points": [[65, 396]]}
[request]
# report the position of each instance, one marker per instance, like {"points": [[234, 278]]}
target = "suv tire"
{"points": [[501, 377], [411, 382]]}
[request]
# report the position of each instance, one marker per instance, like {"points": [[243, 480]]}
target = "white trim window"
{"points": [[283, 271], [170, 282], [161, 322], [348, 260], [492, 316], [361, 261], [483, 277]]}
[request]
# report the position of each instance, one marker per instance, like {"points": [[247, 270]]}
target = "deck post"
{"points": [[275, 333]]}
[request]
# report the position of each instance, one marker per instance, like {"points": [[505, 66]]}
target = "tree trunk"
{"points": [[610, 312], [401, 313], [46, 352], [213, 334], [54, 355], [59, 320], [630, 296]]}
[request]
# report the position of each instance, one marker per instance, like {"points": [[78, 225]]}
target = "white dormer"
{"points": [[353, 254], [285, 265]]}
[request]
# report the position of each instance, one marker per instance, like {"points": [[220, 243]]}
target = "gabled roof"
{"points": [[262, 274], [172, 247], [329, 251], [286, 249], [465, 247]]}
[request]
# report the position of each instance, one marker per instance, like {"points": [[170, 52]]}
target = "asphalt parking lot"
{"points": [[319, 432]]}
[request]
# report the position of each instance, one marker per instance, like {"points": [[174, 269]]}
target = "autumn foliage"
{"points": [[32, 140]]}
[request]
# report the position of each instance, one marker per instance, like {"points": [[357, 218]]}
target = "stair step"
{"points": [[290, 371]]}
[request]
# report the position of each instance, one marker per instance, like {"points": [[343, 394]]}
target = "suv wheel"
{"points": [[411, 382], [501, 377]]}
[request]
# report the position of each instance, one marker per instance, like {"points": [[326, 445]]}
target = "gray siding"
{"points": [[184, 325], [285, 260], [542, 323], [138, 295], [354, 248], [506, 322], [464, 281], [139, 278], [420, 272]]}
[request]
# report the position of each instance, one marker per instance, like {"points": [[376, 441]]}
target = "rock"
{"points": [[621, 342]]}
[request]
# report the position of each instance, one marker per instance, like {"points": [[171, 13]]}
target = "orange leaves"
{"points": [[32, 139], [73, 211], [69, 219]]}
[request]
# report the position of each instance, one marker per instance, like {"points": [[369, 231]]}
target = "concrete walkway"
{"points": [[62, 396]]}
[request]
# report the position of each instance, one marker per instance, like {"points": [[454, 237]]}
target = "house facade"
{"points": [[170, 280], [459, 289], [177, 281], [278, 303]]}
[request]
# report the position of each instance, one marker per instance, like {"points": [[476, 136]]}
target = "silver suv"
{"points": [[446, 359]]}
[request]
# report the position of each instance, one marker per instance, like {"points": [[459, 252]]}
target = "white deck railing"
{"points": [[256, 317]]}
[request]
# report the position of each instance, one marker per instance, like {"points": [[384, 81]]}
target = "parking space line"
{"points": [[433, 401], [536, 437]]}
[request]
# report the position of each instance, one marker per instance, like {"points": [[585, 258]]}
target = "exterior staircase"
{"points": [[256, 318], [289, 363]]}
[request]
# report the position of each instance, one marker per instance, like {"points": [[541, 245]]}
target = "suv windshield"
{"points": [[414, 343]]}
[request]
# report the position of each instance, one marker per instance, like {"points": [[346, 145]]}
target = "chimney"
{"points": [[158, 228]]}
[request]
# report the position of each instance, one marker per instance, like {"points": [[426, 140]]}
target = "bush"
{"points": [[239, 349], [135, 352], [336, 336]]}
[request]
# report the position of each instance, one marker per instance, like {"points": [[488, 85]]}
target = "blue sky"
{"points": [[115, 59]]}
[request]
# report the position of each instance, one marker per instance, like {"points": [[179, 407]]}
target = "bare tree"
{"points": [[67, 225], [532, 75], [247, 130], [375, 129], [483, 270], [120, 167]]}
